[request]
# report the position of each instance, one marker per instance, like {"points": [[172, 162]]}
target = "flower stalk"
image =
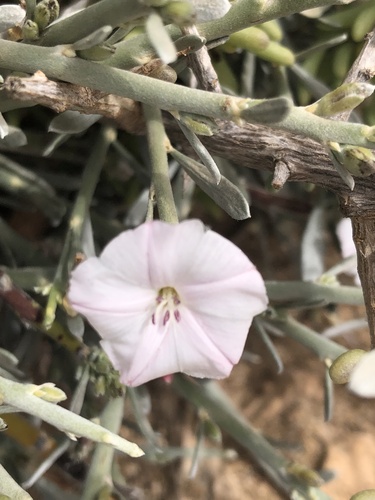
{"points": [[159, 164]]}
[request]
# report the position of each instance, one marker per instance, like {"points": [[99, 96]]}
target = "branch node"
{"points": [[281, 175]]}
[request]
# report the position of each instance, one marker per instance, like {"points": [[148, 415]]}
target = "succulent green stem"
{"points": [[159, 164], [9, 488], [323, 347], [297, 293], [78, 217], [168, 96], [209, 395], [86, 21], [21, 396], [99, 474]]}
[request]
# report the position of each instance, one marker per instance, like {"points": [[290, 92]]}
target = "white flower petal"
{"points": [[344, 233], [362, 378], [180, 347], [127, 255], [95, 287], [4, 128], [200, 331]]}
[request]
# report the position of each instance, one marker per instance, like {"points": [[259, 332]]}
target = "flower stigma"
{"points": [[167, 305]]}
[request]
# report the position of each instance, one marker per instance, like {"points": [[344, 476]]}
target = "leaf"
{"points": [[225, 194]]}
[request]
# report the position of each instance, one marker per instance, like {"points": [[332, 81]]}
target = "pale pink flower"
{"points": [[362, 378], [344, 233], [169, 298]]}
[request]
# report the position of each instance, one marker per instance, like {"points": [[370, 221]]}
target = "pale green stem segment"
{"points": [[159, 164], [30, 7], [21, 397], [167, 96], [243, 14], [83, 23], [10, 489], [79, 214], [298, 293], [321, 346], [246, 13], [209, 395], [99, 476]]}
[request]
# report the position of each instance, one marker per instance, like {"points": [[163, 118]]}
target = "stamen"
{"points": [[167, 302], [167, 315]]}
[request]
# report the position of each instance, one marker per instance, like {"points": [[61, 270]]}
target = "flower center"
{"points": [[167, 303]]}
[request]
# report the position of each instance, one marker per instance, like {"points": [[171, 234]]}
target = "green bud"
{"points": [[98, 53], [364, 495], [179, 13], [200, 125], [369, 133], [259, 43], [363, 22], [48, 392], [342, 367], [30, 30], [46, 12], [42, 15], [344, 98], [273, 30], [3, 425], [358, 161], [252, 39], [304, 475]]}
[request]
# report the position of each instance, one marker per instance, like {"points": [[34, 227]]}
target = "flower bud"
{"points": [[46, 12], [273, 30], [358, 161], [48, 392], [200, 125], [342, 367], [30, 30], [179, 13], [259, 43], [344, 98]]}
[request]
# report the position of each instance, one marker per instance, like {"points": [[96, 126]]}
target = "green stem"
{"points": [[323, 347], [245, 13], [78, 216], [168, 96], [159, 164], [300, 292], [208, 395], [9, 488], [83, 23], [99, 474], [21, 396]]}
